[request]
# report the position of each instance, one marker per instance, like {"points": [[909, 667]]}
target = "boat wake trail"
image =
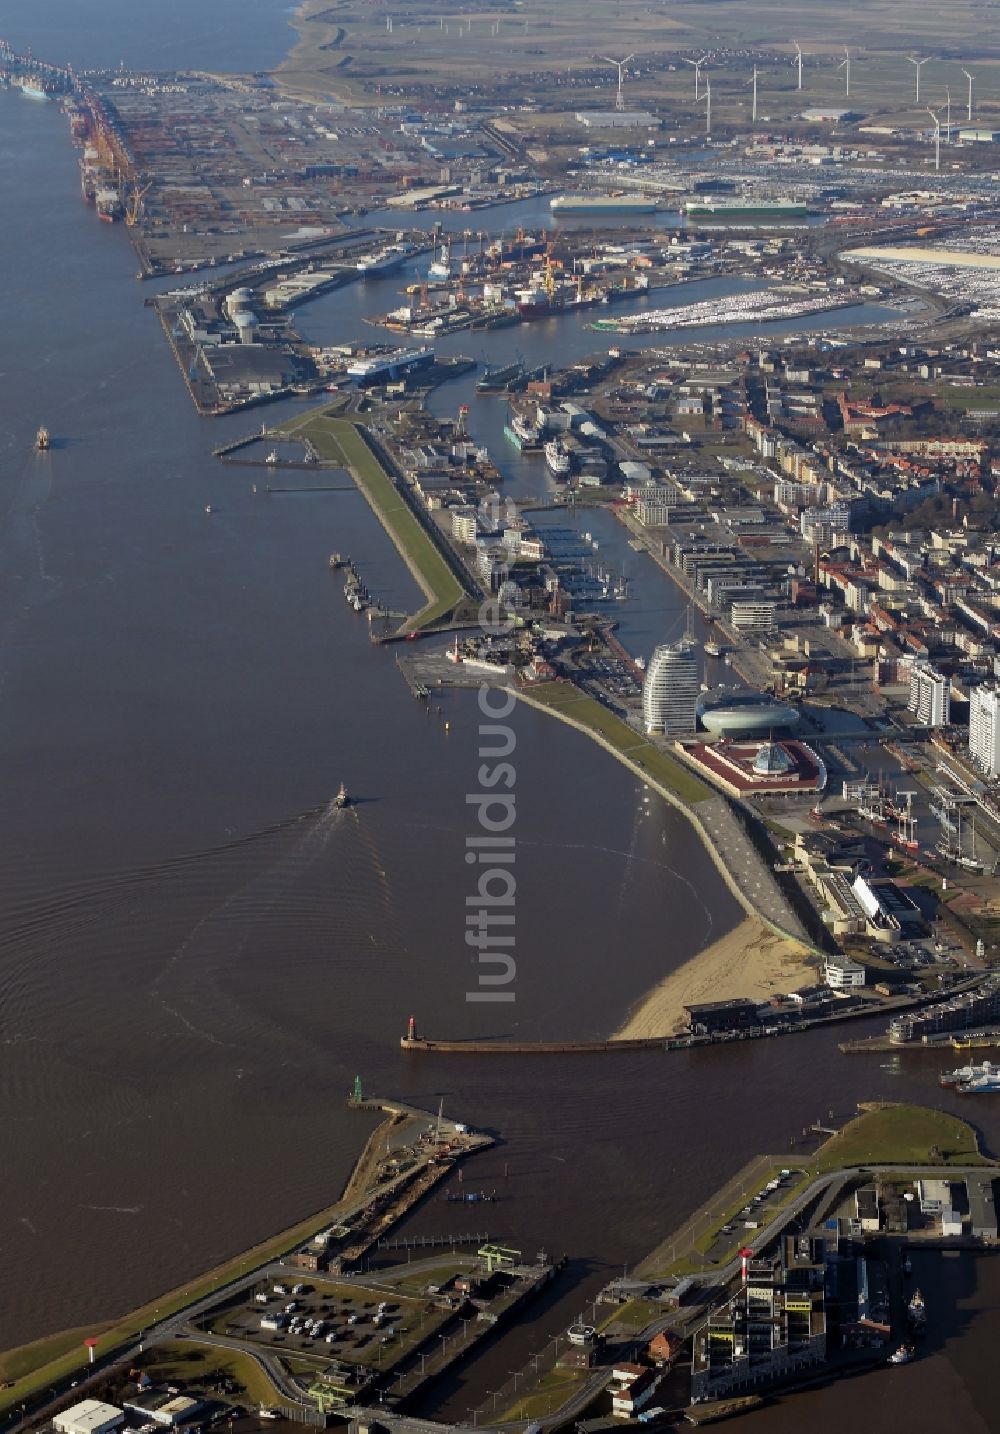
{"points": [[208, 950]]}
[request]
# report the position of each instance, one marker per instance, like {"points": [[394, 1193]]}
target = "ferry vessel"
{"points": [[557, 459], [964, 1074], [384, 367], [602, 204], [986, 1082], [522, 432]]}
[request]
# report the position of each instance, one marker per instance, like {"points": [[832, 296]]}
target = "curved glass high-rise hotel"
{"points": [[670, 691]]}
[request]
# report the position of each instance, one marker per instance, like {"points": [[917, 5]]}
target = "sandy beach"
{"points": [[751, 961]]}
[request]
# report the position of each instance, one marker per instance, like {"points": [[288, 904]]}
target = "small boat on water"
{"points": [[209, 508], [916, 1312], [341, 800], [272, 457], [907, 1266], [42, 439], [902, 1355]]}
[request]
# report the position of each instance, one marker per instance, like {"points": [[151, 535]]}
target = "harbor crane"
{"points": [[134, 207]]}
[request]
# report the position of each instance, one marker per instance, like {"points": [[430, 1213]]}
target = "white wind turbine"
{"points": [[697, 73], [798, 60], [970, 78], [620, 65], [707, 97], [919, 65], [845, 65], [937, 139]]}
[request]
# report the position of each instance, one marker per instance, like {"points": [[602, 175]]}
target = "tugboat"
{"points": [[341, 800], [272, 457], [42, 439]]}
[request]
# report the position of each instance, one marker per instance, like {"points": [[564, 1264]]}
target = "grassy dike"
{"points": [[338, 440], [659, 768], [35, 1367]]}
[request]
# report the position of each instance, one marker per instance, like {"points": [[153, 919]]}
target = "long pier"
{"points": [[422, 1242]]}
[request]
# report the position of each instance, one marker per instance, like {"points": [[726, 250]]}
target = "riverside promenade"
{"points": [[738, 861]]}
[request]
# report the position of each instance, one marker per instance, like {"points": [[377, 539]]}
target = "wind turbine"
{"points": [[947, 123], [845, 65], [937, 139], [970, 79], [919, 64], [620, 101], [753, 112], [798, 60], [697, 73], [707, 97]]}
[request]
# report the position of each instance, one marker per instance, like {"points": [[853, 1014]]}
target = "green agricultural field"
{"points": [[902, 1135], [346, 49], [196, 1369]]}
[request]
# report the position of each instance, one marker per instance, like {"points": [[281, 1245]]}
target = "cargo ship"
{"points": [[109, 205], [494, 380], [384, 262], [602, 204], [744, 209], [33, 89]]}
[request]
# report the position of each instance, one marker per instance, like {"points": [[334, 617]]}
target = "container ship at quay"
{"points": [[34, 89], [737, 209], [585, 204], [109, 205]]}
